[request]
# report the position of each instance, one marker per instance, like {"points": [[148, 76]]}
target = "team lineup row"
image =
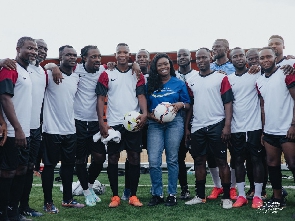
{"points": [[225, 105]]}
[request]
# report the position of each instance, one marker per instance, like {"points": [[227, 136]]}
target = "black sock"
{"points": [[94, 171], [24, 200], [200, 188], [134, 174], [5, 184], [275, 177], [113, 177], [127, 177], [47, 183], [67, 171], [16, 191], [226, 188], [82, 175]]}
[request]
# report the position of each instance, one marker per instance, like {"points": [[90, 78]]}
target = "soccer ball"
{"points": [[164, 112], [130, 122]]}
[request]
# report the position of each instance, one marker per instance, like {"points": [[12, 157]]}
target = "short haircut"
{"points": [[236, 48], [143, 50], [252, 49], [224, 41], [207, 49], [270, 48], [122, 44], [276, 36], [22, 41], [63, 47], [84, 51]]}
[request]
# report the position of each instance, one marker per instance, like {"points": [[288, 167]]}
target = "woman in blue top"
{"points": [[163, 86]]}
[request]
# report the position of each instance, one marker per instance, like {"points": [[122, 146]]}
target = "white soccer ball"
{"points": [[130, 122], [164, 112]]}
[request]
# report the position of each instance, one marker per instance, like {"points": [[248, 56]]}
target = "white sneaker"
{"points": [[227, 203], [89, 200], [195, 200], [97, 199]]}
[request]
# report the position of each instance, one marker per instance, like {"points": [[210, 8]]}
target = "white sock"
{"points": [[90, 186], [241, 189], [215, 177], [258, 189], [233, 178], [86, 192]]}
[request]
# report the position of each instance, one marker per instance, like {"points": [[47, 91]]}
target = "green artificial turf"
{"points": [[211, 210]]}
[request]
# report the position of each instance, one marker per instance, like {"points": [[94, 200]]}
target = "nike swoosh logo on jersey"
{"points": [[113, 79], [192, 85], [24, 78], [260, 87]]}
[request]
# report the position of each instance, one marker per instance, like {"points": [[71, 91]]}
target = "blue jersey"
{"points": [[173, 91], [227, 67]]}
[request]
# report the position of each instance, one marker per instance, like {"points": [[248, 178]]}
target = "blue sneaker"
{"points": [[89, 200], [30, 212], [72, 203], [126, 194], [50, 208], [96, 198]]}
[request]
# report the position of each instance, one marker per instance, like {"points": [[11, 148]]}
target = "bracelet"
{"points": [[183, 105]]}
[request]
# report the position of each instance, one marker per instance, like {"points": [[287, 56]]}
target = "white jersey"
{"points": [[18, 84], [39, 82], [185, 77], [210, 94], [58, 110], [121, 89], [278, 103], [246, 104], [285, 61], [86, 98]]}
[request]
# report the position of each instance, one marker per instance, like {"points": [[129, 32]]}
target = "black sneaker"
{"points": [[155, 200], [20, 218], [250, 194], [171, 200], [30, 212], [185, 193], [273, 205]]}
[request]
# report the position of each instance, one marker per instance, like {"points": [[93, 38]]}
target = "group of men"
{"points": [[234, 107]]}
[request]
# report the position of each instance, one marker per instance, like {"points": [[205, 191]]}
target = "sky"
{"points": [[155, 25]]}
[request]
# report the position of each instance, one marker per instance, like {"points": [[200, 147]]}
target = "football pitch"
{"points": [[210, 211]]}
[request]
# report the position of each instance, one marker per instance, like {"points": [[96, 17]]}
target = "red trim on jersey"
{"points": [[225, 85], [8, 74], [74, 68], [141, 81], [104, 79], [46, 77], [290, 79], [258, 90], [190, 93], [105, 66]]}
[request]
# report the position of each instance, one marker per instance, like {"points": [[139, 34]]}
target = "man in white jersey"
{"points": [[211, 125], [125, 93], [16, 101], [246, 127], [277, 93], [277, 43], [59, 132], [221, 62], [143, 59], [183, 73]]}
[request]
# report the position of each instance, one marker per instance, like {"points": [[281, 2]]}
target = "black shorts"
{"points": [[207, 140], [276, 140], [11, 156], [247, 141], [130, 141], [85, 144], [59, 148], [35, 142]]}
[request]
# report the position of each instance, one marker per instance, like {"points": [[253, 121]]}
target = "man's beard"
{"points": [[185, 65], [268, 70]]}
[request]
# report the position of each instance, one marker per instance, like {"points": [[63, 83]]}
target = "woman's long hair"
{"points": [[154, 79]]}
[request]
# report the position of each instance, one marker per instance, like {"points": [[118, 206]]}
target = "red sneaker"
{"points": [[115, 202], [233, 193], [257, 202], [241, 201], [215, 193]]}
